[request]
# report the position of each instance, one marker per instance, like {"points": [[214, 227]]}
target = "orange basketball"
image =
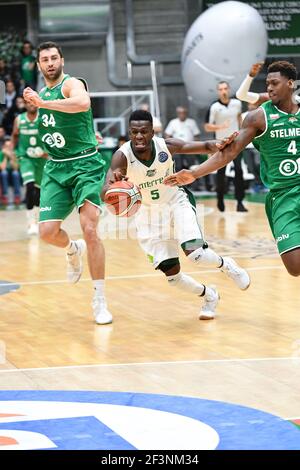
{"points": [[123, 198]]}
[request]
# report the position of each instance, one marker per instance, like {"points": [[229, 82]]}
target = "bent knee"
{"points": [[169, 267], [90, 232], [47, 232]]}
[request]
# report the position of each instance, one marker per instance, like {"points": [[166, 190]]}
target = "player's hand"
{"points": [[118, 176], [180, 178], [227, 141], [32, 97], [255, 69]]}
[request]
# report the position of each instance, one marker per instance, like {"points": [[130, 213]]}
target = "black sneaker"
{"points": [[241, 208]]}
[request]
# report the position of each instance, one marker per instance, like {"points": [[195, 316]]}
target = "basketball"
{"points": [[123, 198]]}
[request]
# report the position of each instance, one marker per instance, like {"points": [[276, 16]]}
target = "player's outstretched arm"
{"points": [[116, 172], [76, 98], [195, 147], [243, 92], [253, 123]]}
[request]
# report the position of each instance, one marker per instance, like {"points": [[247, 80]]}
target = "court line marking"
{"points": [[128, 364], [129, 276]]}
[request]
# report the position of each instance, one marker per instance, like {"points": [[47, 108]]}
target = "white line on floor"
{"points": [[129, 364], [129, 276]]}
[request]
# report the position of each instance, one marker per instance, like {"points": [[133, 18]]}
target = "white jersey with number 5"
{"points": [[167, 216], [150, 178]]}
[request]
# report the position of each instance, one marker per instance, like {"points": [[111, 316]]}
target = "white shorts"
{"points": [[161, 228]]}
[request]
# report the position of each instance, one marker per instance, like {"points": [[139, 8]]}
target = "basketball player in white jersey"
{"points": [[145, 160]]}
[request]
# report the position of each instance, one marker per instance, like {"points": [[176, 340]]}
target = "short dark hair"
{"points": [[140, 115], [223, 81], [48, 45], [285, 68], [26, 41]]}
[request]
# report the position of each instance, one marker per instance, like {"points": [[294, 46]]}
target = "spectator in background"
{"points": [[10, 94], [28, 68], [12, 113], [2, 136], [4, 70], [186, 128], [183, 128], [9, 173], [157, 125], [224, 119]]}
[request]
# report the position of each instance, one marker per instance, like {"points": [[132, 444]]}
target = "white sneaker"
{"points": [[211, 300], [33, 229], [101, 313], [236, 273], [74, 262]]}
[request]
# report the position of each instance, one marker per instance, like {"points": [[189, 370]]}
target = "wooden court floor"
{"points": [[248, 355]]}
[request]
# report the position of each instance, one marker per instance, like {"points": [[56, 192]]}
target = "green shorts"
{"points": [[69, 184], [283, 212], [32, 170]]}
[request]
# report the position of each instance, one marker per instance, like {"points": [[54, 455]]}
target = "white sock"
{"points": [[99, 287], [71, 247], [30, 216], [186, 283], [36, 210], [206, 256]]}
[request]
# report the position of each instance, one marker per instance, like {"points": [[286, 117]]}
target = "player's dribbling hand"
{"points": [[226, 141], [118, 176], [255, 69], [180, 178], [32, 97]]}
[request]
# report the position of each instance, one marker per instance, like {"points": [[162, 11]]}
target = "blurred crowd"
{"points": [[17, 70]]}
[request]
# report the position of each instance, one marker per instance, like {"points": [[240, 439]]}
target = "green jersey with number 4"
{"points": [[66, 136], [279, 147], [29, 142]]}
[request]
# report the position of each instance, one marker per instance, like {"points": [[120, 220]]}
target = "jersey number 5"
{"points": [[154, 194]]}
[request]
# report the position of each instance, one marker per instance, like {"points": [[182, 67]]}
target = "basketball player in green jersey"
{"points": [[74, 174], [274, 128], [32, 158]]}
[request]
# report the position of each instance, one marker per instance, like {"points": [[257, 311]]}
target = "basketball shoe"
{"points": [[236, 273], [101, 314], [33, 229], [74, 261], [211, 300]]}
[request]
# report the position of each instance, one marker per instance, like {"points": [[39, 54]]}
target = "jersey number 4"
{"points": [[292, 148]]}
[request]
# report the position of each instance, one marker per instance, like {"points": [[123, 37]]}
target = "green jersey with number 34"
{"points": [[279, 147], [66, 136]]}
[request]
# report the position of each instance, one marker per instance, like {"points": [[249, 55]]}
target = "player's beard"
{"points": [[53, 76]]}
